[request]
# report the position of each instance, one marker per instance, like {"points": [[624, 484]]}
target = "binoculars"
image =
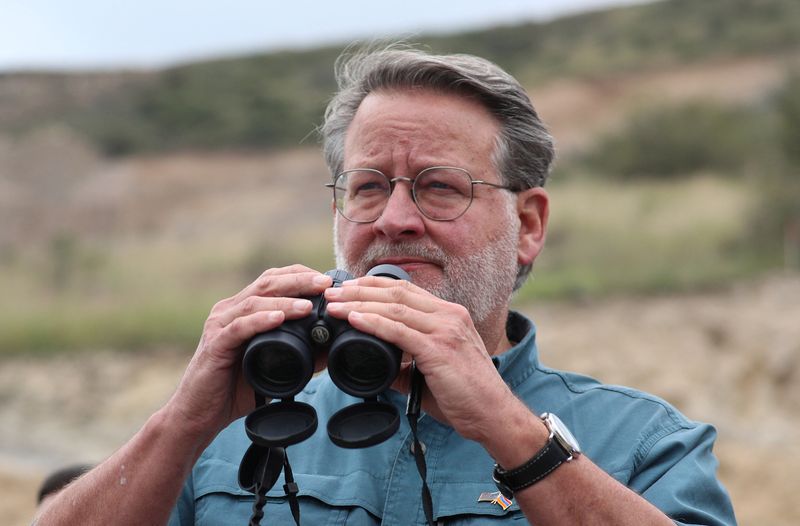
{"points": [[279, 363]]}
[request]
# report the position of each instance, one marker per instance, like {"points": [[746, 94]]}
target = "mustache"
{"points": [[430, 253]]}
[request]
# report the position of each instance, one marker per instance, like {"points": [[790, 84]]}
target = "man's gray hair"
{"points": [[524, 151]]}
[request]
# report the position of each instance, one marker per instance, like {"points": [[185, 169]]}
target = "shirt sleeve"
{"points": [[678, 475], [183, 512]]}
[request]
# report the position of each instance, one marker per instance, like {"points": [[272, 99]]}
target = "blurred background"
{"points": [[156, 158]]}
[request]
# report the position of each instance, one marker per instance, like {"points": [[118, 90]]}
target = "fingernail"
{"points": [[301, 304], [321, 280], [334, 292]]}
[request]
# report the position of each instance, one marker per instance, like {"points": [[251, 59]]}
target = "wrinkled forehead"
{"points": [[420, 128]]}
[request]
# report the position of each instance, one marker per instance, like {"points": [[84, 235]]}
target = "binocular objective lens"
{"points": [[280, 369], [363, 365]]}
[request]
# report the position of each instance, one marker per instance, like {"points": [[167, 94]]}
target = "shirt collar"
{"points": [[521, 360]]}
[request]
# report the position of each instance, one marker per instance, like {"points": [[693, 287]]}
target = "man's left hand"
{"points": [[464, 388]]}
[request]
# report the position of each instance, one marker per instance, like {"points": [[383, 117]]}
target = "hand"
{"points": [[213, 391], [464, 387]]}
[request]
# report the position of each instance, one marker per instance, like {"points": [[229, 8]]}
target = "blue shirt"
{"points": [[640, 440]]}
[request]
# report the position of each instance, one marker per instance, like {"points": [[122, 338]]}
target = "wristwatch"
{"points": [[561, 447]]}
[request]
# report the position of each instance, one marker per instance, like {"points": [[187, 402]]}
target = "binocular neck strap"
{"points": [[289, 488], [412, 412], [258, 505]]}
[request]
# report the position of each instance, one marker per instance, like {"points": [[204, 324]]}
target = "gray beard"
{"points": [[482, 282]]}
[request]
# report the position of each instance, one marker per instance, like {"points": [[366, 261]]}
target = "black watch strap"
{"points": [[543, 462]]}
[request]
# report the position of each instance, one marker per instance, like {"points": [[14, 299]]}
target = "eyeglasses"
{"points": [[441, 193]]}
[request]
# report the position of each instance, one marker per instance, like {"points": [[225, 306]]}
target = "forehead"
{"points": [[419, 128]]}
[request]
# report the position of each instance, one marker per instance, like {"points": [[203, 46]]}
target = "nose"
{"points": [[401, 219]]}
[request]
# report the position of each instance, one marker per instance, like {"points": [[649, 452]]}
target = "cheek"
{"points": [[456, 238], [351, 238], [472, 231]]}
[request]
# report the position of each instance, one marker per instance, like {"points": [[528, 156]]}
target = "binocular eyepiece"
{"points": [[280, 362]]}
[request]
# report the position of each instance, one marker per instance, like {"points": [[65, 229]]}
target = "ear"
{"points": [[533, 207]]}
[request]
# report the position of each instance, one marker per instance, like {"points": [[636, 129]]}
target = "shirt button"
{"points": [[422, 446]]}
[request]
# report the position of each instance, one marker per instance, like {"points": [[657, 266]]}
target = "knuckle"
{"points": [[264, 285], [461, 314], [267, 273], [396, 328], [397, 309], [248, 306], [219, 306], [235, 326], [213, 321], [407, 285], [397, 294]]}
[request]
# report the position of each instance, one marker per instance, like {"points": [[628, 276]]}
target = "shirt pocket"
{"points": [[355, 499], [457, 504], [234, 506], [343, 500]]}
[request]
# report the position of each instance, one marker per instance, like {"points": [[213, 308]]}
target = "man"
{"points": [[439, 165]]}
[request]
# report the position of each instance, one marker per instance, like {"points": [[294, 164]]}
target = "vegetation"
{"points": [[787, 106], [275, 100], [674, 141], [606, 237], [755, 148], [678, 197]]}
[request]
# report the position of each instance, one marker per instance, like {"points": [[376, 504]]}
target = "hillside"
{"points": [[275, 100], [728, 357], [131, 201], [54, 180]]}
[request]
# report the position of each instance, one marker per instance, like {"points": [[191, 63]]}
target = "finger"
{"points": [[382, 282], [400, 312], [405, 337], [293, 308], [400, 292], [244, 328], [293, 281]]}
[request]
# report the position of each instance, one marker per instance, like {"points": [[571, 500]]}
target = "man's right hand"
{"points": [[141, 481], [213, 391]]}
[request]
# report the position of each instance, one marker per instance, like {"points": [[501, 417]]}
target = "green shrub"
{"points": [[676, 141], [787, 105]]}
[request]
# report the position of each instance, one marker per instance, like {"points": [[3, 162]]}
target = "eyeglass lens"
{"points": [[440, 193]]}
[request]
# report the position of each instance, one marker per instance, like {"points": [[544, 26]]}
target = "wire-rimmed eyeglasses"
{"points": [[441, 193]]}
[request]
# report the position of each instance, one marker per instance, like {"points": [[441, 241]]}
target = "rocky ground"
{"points": [[731, 357]]}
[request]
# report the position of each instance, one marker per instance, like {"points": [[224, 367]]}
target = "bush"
{"points": [[675, 141], [787, 104], [774, 226]]}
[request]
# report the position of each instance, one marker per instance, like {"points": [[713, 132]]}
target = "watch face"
{"points": [[562, 434]]}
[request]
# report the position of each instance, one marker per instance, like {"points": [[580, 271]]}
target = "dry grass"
{"points": [[730, 357]]}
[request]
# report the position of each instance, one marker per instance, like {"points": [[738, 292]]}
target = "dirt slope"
{"points": [[730, 357]]}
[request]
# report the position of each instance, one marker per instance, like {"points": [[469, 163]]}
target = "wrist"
{"points": [[515, 439], [561, 447], [176, 424]]}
